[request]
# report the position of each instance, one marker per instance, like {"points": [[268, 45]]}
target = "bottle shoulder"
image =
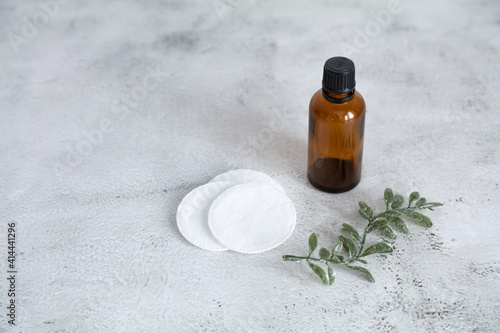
{"points": [[346, 111]]}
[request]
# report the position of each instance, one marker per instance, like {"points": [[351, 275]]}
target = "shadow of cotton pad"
{"points": [[243, 176], [252, 218], [192, 215]]}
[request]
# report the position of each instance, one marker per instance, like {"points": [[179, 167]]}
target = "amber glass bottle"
{"points": [[336, 129]]}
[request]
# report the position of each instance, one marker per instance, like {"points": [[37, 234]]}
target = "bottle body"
{"points": [[336, 135]]}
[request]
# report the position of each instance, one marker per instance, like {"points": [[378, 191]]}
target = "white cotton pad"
{"points": [[252, 218], [192, 215], [243, 176]]}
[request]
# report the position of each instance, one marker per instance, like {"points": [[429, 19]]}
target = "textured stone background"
{"points": [[98, 248]]}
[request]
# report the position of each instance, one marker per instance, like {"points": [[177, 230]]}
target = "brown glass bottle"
{"points": [[336, 129]]}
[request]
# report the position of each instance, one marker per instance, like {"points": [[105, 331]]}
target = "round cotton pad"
{"points": [[243, 176], [252, 218], [192, 215]]}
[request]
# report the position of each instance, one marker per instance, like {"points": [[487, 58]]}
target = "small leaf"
{"points": [[388, 196], [320, 272], [331, 276], [337, 249], [413, 197], [425, 221], [377, 225], [363, 214], [398, 222], [350, 229], [420, 218], [334, 261], [420, 202], [348, 246], [362, 261], [389, 232], [365, 211], [398, 201], [313, 243], [429, 205], [324, 253], [378, 248], [365, 272], [391, 213]]}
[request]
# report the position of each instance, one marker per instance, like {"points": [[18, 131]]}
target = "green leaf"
{"points": [[430, 205], [365, 211], [320, 272], [362, 261], [388, 196], [389, 232], [398, 201], [365, 272], [413, 197], [313, 243], [434, 204], [420, 218], [333, 261], [348, 246], [378, 248], [398, 222], [389, 213], [350, 229], [324, 253], [420, 202], [331, 276], [377, 225], [337, 249]]}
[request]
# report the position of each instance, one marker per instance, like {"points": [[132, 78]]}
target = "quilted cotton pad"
{"points": [[252, 218], [243, 176], [192, 215]]}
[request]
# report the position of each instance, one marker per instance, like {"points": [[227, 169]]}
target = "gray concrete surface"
{"points": [[110, 112]]}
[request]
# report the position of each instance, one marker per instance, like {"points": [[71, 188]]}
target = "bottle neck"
{"points": [[338, 98]]}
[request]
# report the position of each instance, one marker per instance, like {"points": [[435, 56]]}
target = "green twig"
{"points": [[382, 222]]}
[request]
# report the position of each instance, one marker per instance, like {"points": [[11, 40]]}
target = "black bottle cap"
{"points": [[338, 75]]}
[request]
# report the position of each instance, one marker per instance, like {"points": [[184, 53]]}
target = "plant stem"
{"points": [[362, 244], [308, 259]]}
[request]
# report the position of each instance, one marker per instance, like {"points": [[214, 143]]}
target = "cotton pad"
{"points": [[252, 218], [192, 215], [243, 176]]}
